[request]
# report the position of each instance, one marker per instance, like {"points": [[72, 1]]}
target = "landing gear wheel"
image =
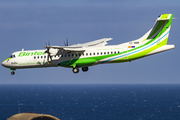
{"points": [[75, 70], [84, 69], [12, 73]]}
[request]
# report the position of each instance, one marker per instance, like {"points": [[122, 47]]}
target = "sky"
{"points": [[27, 25]]}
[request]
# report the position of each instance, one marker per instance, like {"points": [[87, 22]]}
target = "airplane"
{"points": [[95, 52]]}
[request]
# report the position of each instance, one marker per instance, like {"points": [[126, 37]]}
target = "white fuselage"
{"points": [[95, 52], [38, 58]]}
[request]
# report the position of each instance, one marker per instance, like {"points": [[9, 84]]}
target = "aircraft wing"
{"points": [[82, 47], [67, 48], [100, 42]]}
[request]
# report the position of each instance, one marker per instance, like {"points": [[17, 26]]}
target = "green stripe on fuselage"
{"points": [[7, 59]]}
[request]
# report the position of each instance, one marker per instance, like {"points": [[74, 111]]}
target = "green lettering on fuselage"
{"points": [[39, 53], [21, 54]]}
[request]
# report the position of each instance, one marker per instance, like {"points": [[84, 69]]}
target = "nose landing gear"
{"points": [[12, 71]]}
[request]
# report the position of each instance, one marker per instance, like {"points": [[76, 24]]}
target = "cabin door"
{"points": [[125, 53]]}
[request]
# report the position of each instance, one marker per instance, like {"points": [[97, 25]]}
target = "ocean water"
{"points": [[93, 102]]}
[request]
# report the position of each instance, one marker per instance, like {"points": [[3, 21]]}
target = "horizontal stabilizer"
{"points": [[161, 49]]}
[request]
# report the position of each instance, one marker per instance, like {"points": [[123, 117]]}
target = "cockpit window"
{"points": [[12, 56]]}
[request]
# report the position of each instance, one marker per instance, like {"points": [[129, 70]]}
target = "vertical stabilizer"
{"points": [[161, 28]]}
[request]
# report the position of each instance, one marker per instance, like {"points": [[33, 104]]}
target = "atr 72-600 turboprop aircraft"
{"points": [[95, 52]]}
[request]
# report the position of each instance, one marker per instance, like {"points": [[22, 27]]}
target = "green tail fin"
{"points": [[162, 25]]}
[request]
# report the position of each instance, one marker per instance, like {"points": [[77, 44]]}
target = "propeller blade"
{"points": [[66, 41], [48, 59], [48, 43], [47, 51], [51, 58]]}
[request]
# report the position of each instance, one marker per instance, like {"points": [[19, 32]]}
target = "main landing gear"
{"points": [[84, 69], [76, 69]]}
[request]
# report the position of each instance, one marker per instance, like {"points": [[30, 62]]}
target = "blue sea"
{"points": [[93, 102]]}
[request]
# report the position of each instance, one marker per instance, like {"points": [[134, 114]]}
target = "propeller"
{"points": [[48, 47], [66, 43], [47, 51]]}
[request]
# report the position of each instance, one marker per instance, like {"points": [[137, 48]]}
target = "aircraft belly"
{"points": [[78, 62], [29, 65], [85, 62]]}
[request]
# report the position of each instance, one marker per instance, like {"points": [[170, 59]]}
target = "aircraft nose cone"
{"points": [[3, 64], [6, 64]]}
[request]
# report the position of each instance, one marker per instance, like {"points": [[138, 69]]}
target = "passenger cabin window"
{"points": [[34, 57]]}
